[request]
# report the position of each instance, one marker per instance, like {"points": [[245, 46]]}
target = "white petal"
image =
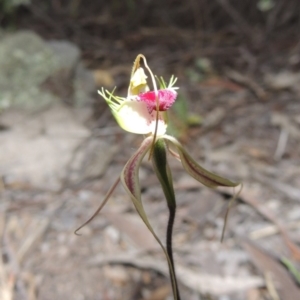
{"points": [[134, 117]]}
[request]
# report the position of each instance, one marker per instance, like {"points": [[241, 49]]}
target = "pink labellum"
{"points": [[166, 98]]}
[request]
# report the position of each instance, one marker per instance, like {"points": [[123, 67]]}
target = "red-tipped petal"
{"points": [[166, 98]]}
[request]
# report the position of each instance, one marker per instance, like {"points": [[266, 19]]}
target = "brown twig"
{"points": [[259, 92]]}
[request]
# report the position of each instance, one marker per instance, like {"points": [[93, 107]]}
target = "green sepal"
{"points": [[207, 178]]}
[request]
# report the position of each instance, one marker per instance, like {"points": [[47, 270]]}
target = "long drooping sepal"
{"points": [[200, 174], [163, 173], [106, 198], [130, 181]]}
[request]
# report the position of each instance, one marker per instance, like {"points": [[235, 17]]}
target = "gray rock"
{"points": [[66, 53], [90, 161], [37, 148], [84, 86], [34, 73], [61, 82]]}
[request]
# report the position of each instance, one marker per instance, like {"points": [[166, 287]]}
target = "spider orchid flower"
{"points": [[144, 111]]}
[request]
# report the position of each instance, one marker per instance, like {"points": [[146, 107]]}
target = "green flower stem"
{"points": [[172, 213], [161, 167]]}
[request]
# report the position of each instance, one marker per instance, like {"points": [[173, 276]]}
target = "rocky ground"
{"points": [[61, 150]]}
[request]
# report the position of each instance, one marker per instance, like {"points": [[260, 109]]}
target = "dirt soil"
{"points": [[245, 99]]}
